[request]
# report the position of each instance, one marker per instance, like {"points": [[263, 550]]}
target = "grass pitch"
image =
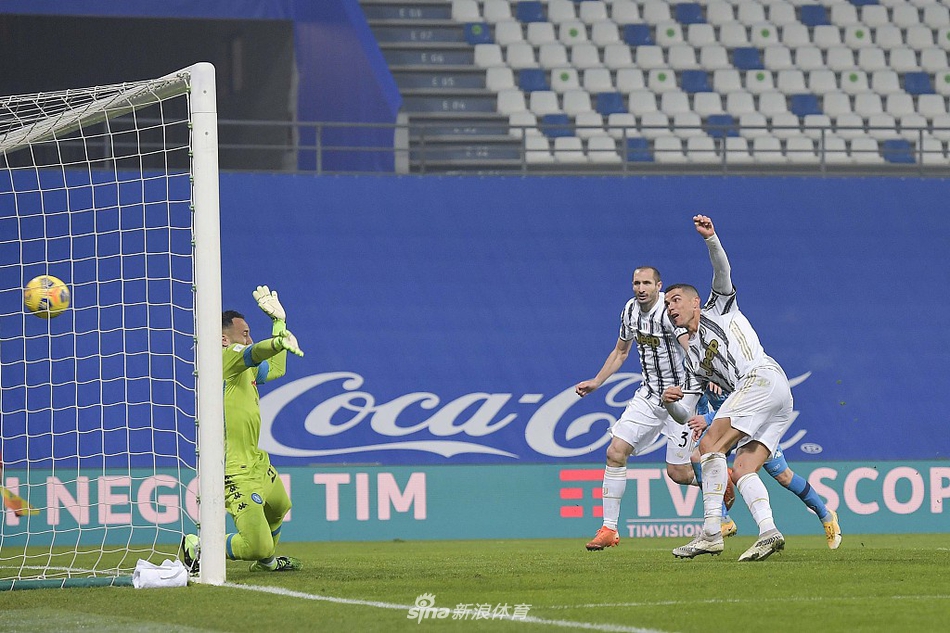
{"points": [[872, 583]]}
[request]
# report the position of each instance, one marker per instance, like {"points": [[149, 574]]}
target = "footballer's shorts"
{"points": [[261, 489], [641, 424], [761, 406]]}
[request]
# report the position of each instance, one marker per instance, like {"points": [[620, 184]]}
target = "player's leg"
{"points": [[778, 467], [639, 426], [719, 438], [276, 506]]}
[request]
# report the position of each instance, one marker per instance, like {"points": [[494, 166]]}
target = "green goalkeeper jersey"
{"points": [[242, 411]]}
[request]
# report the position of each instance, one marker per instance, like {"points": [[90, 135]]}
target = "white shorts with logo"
{"points": [[761, 406], [641, 424]]}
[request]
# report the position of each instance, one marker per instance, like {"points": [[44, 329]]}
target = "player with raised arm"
{"points": [[724, 349], [254, 494], [643, 322]]}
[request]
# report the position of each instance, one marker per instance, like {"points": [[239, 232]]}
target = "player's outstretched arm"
{"points": [[722, 273], [268, 302], [614, 361], [283, 342]]}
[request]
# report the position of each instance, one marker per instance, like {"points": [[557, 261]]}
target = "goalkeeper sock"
{"points": [[269, 563]]}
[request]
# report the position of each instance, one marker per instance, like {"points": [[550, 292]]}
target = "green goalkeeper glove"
{"points": [[287, 341], [268, 302]]}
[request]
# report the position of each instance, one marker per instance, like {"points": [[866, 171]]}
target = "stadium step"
{"points": [[407, 9], [411, 77], [417, 31]]}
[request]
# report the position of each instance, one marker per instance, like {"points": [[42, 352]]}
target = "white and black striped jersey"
{"points": [[661, 356], [725, 347]]}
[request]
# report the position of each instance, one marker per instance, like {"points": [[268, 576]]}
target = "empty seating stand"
{"points": [[780, 83]]}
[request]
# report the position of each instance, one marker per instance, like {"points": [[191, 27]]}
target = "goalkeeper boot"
{"points": [[702, 544], [832, 531], [280, 563], [771, 541], [190, 552], [604, 538]]}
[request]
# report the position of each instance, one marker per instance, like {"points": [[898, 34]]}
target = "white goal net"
{"points": [[113, 190]]}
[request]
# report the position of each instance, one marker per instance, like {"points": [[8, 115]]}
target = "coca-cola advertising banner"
{"points": [[447, 320]]}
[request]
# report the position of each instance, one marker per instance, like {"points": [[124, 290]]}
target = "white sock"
{"points": [[615, 482], [715, 473], [756, 496]]}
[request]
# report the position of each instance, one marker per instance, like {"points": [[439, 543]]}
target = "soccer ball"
{"points": [[46, 296]]}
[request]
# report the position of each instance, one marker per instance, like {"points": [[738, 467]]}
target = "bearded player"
{"points": [[254, 495]]}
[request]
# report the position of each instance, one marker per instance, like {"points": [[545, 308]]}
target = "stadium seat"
{"points": [[552, 55], [888, 36], [556, 125], [766, 149], [655, 11], [833, 149], [618, 55], [750, 13], [836, 102], [621, 125], [654, 124], [674, 102], [790, 81], [689, 13], [571, 32], [919, 37], [638, 35], [714, 57], [759, 81], [899, 104], [753, 124], [686, 124], [541, 33], [778, 57], [537, 149], [638, 150], [800, 149], [813, 15], [932, 152], [849, 125], [885, 82], [913, 126], [661, 80], [682, 57], [641, 101], [782, 14], [603, 33], [771, 103], [865, 149], [721, 125], [918, 83], [521, 55], [508, 32], [592, 12], [466, 11], [868, 104], [608, 103], [720, 13], [871, 59], [531, 79], [840, 58], [629, 79], [701, 149], [561, 11], [844, 14], [737, 152], [733, 35], [931, 106], [902, 60], [707, 103], [544, 102], [499, 78], [695, 81], [586, 55], [650, 57], [522, 123], [785, 125], [809, 58], [598, 80], [589, 124], [816, 125], [488, 55], [569, 149], [904, 15], [726, 80], [795, 35], [898, 151], [477, 33], [625, 12], [739, 103], [699, 35], [854, 81], [764, 35], [934, 59], [668, 33], [857, 36], [496, 10], [510, 101], [530, 11], [602, 149], [882, 126], [747, 58], [875, 15], [936, 16], [564, 79], [826, 36], [940, 126], [802, 105], [576, 101]]}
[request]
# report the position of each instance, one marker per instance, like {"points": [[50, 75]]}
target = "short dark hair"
{"points": [[656, 273], [690, 290], [227, 318]]}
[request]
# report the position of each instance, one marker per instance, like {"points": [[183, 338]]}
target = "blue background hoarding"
{"points": [[447, 319]]}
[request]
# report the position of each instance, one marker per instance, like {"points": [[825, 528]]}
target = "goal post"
{"points": [[110, 410]]}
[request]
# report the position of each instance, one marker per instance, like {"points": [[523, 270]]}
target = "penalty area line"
{"points": [[528, 619]]}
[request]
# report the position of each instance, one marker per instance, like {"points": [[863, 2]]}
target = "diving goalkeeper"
{"points": [[254, 495]]}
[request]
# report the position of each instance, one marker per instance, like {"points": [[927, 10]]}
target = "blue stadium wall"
{"points": [[445, 321]]}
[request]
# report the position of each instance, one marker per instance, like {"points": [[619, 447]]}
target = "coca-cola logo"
{"points": [[463, 425]]}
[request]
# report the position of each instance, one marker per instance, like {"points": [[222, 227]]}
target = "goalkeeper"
{"points": [[254, 495]]}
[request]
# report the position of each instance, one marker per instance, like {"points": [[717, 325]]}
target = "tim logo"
{"points": [[576, 483]]}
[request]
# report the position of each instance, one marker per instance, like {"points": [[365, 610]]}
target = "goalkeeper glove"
{"points": [[268, 302], [287, 341]]}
